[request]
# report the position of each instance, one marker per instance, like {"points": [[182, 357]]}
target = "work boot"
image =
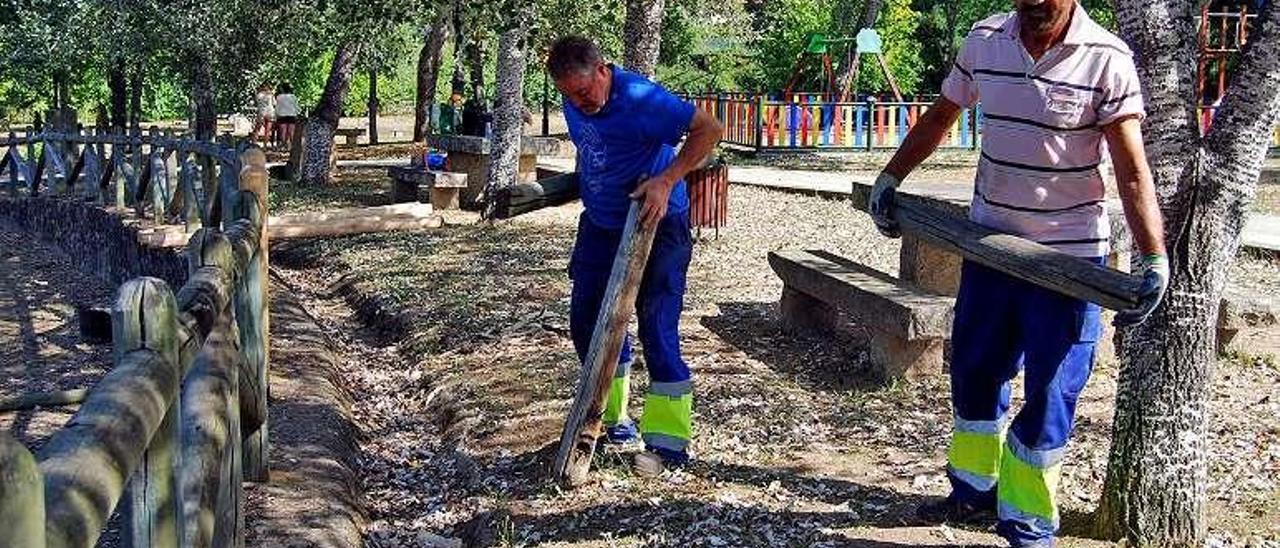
{"points": [[656, 460], [952, 510], [623, 433]]}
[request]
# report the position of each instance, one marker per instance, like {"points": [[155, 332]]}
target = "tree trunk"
{"points": [[642, 36], [508, 119], [135, 96], [324, 119], [1155, 489], [846, 74], [458, 82], [429, 61], [118, 82], [202, 97], [475, 66], [373, 107]]}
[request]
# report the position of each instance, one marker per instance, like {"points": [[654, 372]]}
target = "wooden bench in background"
{"points": [[908, 327]]}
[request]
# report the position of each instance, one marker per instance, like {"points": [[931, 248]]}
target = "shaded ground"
{"points": [[313, 498], [40, 345], [797, 444]]}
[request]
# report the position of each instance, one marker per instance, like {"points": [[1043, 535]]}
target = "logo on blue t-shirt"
{"points": [[632, 137]]}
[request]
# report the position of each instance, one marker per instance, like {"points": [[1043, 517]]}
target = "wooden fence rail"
{"points": [[171, 432], [177, 180]]}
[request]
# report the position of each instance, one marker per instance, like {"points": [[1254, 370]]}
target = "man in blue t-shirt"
{"points": [[626, 128]]}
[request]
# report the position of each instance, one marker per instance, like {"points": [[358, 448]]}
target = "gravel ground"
{"points": [[797, 443]]}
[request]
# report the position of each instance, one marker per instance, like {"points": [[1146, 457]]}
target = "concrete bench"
{"points": [[908, 326], [446, 187], [1242, 309], [351, 135]]}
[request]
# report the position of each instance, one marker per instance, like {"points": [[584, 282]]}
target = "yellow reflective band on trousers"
{"points": [[976, 453], [615, 406], [669, 418], [1028, 489]]}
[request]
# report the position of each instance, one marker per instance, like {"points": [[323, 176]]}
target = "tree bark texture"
{"points": [[429, 61], [324, 119], [1155, 491], [642, 36], [508, 120], [202, 97]]}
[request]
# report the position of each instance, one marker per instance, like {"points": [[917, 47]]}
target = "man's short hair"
{"points": [[572, 55]]}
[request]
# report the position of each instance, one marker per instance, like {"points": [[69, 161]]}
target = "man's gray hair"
{"points": [[572, 55]]}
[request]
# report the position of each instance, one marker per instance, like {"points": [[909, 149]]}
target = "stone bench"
{"points": [[908, 326], [351, 135], [1242, 309], [446, 187]]}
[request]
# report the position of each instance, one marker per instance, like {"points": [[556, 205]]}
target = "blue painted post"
{"points": [[977, 119], [964, 128]]}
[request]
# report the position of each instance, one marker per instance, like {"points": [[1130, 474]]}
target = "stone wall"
{"points": [[97, 241]]}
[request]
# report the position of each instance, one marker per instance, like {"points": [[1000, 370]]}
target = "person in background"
{"points": [[265, 108], [287, 113]]}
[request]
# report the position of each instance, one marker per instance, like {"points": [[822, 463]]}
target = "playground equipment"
{"points": [[1223, 34], [867, 42]]}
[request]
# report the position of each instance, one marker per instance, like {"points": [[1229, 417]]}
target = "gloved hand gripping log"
{"points": [[1133, 297]]}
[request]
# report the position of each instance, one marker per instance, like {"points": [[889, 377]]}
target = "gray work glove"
{"points": [[880, 204], [1155, 279]]}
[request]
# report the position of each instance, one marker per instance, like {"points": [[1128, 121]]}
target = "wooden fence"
{"points": [[176, 178], [171, 431], [809, 122]]}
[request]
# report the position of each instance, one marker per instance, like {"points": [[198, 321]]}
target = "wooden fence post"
{"points": [[145, 317], [871, 123], [21, 496], [251, 300]]}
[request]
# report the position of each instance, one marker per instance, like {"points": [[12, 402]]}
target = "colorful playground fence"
{"points": [[808, 122]]}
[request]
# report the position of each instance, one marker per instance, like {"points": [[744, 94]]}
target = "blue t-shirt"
{"points": [[633, 136]]}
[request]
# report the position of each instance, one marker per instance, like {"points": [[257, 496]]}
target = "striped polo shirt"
{"points": [[1039, 175]]}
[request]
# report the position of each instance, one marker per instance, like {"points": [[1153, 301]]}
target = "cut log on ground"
{"points": [[583, 426], [1017, 257], [524, 198], [335, 222]]}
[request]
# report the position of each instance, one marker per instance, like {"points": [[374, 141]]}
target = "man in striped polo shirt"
{"points": [[1054, 85]]}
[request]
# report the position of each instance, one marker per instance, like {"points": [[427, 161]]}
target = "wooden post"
{"points": [[21, 496], [145, 316], [251, 299], [14, 165], [210, 477], [871, 123], [973, 127], [583, 426], [373, 107]]}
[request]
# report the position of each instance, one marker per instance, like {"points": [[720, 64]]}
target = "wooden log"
{"points": [[250, 303], [524, 198], [211, 492], [145, 317], [43, 399], [583, 426], [1017, 257], [39, 174], [212, 264], [21, 496], [124, 432]]}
